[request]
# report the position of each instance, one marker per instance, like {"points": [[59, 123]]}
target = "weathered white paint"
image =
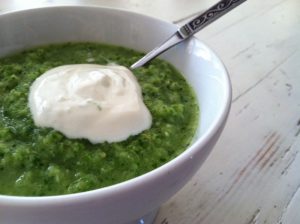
{"points": [[253, 174]]}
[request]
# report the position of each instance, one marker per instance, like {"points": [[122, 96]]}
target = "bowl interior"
{"points": [[202, 69], [200, 66]]}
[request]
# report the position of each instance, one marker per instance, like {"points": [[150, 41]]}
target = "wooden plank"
{"points": [[252, 47], [252, 175]]}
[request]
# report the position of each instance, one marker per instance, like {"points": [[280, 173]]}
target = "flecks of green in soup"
{"points": [[41, 161]]}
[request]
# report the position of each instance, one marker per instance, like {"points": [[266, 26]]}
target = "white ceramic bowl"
{"points": [[140, 197]]}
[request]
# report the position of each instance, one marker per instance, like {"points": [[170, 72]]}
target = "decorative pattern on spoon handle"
{"points": [[213, 13]]}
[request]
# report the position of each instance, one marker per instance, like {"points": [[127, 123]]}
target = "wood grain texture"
{"points": [[253, 174]]}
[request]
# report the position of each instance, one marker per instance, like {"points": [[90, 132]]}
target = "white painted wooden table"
{"points": [[253, 174]]}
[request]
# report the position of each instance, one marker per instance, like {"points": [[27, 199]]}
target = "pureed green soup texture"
{"points": [[38, 161]]}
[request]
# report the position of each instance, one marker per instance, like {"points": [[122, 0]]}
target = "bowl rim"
{"points": [[217, 123]]}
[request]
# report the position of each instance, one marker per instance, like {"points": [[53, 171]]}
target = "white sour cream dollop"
{"points": [[95, 102]]}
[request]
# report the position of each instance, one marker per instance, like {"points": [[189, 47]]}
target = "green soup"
{"points": [[41, 161]]}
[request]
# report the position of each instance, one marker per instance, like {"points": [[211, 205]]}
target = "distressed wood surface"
{"points": [[253, 174]]}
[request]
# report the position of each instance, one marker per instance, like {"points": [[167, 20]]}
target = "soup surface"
{"points": [[38, 161]]}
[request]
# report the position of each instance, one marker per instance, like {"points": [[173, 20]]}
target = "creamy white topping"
{"points": [[99, 103]]}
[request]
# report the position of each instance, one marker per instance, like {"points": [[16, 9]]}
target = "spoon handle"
{"points": [[209, 16]]}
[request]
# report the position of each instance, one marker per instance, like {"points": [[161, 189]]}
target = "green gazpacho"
{"points": [[37, 161]]}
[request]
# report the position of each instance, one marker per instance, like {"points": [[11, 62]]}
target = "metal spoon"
{"points": [[189, 29]]}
